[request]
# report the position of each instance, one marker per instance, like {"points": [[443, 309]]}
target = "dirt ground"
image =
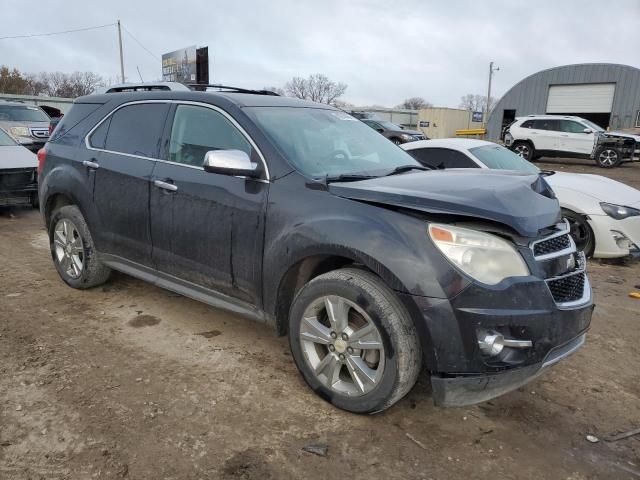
{"points": [[131, 381]]}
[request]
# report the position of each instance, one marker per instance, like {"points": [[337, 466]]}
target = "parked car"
{"points": [[604, 215], [393, 132], [376, 268], [27, 124], [538, 136], [55, 115], [18, 177]]}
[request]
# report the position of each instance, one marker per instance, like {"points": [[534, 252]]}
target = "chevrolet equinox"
{"points": [[297, 214]]}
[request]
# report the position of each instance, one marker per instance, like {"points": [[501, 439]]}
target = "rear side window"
{"points": [[527, 124], [99, 136], [78, 112], [134, 129]]}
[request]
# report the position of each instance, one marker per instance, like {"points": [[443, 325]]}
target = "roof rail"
{"points": [[144, 87], [204, 87]]}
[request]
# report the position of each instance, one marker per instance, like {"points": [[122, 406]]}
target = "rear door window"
{"points": [[547, 124], [135, 129]]}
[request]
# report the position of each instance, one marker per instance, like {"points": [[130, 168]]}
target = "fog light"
{"points": [[490, 343]]}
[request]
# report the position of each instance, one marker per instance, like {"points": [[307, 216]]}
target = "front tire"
{"points": [[581, 232], [524, 150], [73, 251], [353, 341], [607, 157]]}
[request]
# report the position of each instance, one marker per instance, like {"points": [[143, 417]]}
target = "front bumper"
{"points": [[522, 309], [607, 232], [468, 390]]}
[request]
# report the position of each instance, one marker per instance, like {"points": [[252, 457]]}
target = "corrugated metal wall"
{"points": [[530, 95]]}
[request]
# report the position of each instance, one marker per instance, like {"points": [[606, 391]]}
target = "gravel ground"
{"points": [[131, 381]]}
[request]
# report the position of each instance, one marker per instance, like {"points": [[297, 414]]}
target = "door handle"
{"points": [[165, 186], [89, 164]]}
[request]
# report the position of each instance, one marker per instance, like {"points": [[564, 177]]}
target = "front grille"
{"points": [[40, 132], [569, 288], [551, 245]]}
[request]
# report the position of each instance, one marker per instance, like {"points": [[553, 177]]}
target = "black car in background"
{"points": [[393, 132], [298, 214]]}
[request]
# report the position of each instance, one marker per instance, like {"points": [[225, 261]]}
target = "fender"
{"points": [[73, 183]]}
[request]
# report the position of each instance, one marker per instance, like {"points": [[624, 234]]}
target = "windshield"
{"points": [[320, 143], [22, 114], [5, 139], [500, 158], [592, 125]]}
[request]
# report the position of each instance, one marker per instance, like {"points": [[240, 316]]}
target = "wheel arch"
{"points": [[313, 264]]}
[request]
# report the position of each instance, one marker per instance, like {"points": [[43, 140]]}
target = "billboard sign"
{"points": [[180, 66]]}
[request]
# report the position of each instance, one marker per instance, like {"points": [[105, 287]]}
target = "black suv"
{"points": [[298, 214]]}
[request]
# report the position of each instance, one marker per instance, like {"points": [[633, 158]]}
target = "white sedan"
{"points": [[604, 214]]}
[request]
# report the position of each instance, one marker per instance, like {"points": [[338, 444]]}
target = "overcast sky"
{"points": [[384, 51]]}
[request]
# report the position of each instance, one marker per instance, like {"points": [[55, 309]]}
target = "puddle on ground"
{"points": [[143, 321], [209, 334]]}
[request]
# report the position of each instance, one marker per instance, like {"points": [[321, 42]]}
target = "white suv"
{"points": [[536, 136]]}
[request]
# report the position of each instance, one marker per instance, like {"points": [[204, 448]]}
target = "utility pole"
{"points": [[122, 59], [491, 70]]}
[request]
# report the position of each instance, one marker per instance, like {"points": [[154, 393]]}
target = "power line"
{"points": [[141, 45], [57, 33]]}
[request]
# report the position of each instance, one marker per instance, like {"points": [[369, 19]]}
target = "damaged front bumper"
{"points": [[461, 391]]}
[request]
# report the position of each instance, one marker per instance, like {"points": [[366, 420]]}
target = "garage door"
{"points": [[592, 98]]}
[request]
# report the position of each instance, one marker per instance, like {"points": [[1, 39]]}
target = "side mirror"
{"points": [[230, 162], [587, 130], [380, 130]]}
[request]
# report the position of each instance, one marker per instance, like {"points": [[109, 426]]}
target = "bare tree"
{"points": [[317, 88], [415, 103], [476, 103]]}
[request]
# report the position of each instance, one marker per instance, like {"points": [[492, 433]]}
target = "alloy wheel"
{"points": [[608, 157], [523, 151], [342, 346], [68, 248]]}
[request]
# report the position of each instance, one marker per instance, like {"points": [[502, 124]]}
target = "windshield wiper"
{"points": [[405, 168], [348, 177]]}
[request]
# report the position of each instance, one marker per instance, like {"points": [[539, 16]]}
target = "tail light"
{"points": [[42, 156]]}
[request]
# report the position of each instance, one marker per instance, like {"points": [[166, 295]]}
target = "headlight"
{"points": [[19, 131], [406, 136], [618, 211], [484, 257]]}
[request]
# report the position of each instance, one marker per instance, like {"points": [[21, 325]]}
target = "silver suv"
{"points": [[27, 124]]}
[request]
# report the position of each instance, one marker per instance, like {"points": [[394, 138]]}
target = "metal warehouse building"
{"points": [[605, 93]]}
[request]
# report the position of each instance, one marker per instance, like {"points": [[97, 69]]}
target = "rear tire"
{"points": [[581, 232], [353, 341], [607, 157], [73, 250], [524, 150]]}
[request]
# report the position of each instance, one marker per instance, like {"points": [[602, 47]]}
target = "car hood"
{"points": [[522, 201], [636, 138], [16, 156], [601, 188]]}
